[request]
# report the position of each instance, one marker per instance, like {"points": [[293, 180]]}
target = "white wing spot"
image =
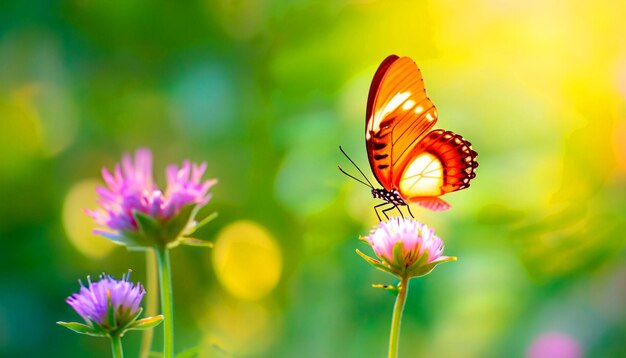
{"points": [[408, 104], [422, 177], [391, 106]]}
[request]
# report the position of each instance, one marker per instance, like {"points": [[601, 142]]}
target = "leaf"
{"points": [[389, 288], [132, 319], [190, 241], [417, 265], [173, 228], [203, 222], [98, 329], [137, 248], [80, 328], [189, 352], [110, 312], [146, 323], [398, 261], [379, 265], [136, 315], [148, 226], [426, 269], [422, 270]]}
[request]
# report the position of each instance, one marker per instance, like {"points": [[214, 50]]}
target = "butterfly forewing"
{"points": [[398, 115]]}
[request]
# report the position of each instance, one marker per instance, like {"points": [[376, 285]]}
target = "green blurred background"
{"points": [[265, 91]]}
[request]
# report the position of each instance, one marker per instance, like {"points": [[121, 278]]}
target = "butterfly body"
{"points": [[413, 162], [389, 196]]}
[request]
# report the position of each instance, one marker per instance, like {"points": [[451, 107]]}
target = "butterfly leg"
{"points": [[409, 209], [376, 211], [391, 208], [400, 211]]}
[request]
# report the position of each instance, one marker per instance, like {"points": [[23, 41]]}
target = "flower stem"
{"points": [[394, 336], [152, 301], [116, 346], [165, 282]]}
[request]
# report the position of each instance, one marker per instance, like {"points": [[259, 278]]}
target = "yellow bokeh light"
{"points": [[237, 327], [57, 115], [247, 260], [20, 126], [78, 225]]}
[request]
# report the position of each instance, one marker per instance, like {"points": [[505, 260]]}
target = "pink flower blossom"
{"points": [[131, 191], [405, 247], [554, 345]]}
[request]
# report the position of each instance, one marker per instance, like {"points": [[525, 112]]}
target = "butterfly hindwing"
{"points": [[398, 114], [442, 162], [434, 204]]}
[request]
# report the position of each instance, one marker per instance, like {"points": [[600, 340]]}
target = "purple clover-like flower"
{"points": [[135, 212], [93, 302], [109, 307], [405, 247]]}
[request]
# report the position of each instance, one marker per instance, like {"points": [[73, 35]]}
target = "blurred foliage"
{"points": [[265, 91]]}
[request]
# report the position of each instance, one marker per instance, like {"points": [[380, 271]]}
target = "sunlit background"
{"points": [[265, 91]]}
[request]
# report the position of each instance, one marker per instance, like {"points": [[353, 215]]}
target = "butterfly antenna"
{"points": [[359, 180], [357, 168]]}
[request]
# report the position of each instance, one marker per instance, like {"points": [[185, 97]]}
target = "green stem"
{"points": [[165, 282], [152, 301], [394, 336], [116, 346]]}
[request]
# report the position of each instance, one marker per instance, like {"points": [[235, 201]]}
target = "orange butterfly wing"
{"points": [[398, 114], [403, 154], [442, 162]]}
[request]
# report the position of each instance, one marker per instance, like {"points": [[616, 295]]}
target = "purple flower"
{"points": [[405, 247], [131, 201], [109, 307], [94, 302]]}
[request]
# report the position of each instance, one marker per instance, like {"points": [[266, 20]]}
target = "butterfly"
{"points": [[413, 162]]}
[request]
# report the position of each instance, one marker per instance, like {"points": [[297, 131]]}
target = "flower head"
{"points": [[405, 247], [135, 212], [109, 306], [554, 344]]}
